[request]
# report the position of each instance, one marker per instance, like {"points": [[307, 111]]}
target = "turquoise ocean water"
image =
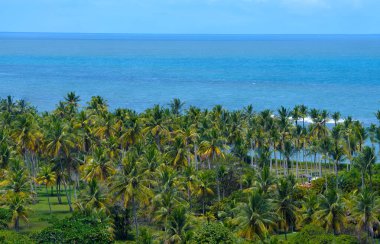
{"points": [[335, 72]]}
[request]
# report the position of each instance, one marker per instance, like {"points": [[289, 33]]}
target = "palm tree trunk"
{"points": [[362, 180], [280, 159], [67, 196], [17, 223], [47, 193], [189, 197], [135, 215], [349, 152], [203, 205], [303, 159], [252, 153], [196, 156], [336, 174], [218, 189], [297, 165], [65, 186], [275, 160], [59, 191]]}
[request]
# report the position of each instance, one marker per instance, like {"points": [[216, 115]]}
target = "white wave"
{"points": [[309, 120]]}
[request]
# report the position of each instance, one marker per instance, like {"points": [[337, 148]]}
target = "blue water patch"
{"points": [[334, 72]]}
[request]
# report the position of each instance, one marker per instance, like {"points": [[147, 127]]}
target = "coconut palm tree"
{"points": [[176, 106], [256, 218], [336, 117], [366, 209], [365, 162], [16, 180], [58, 144], [18, 206], [264, 180], [98, 166], [130, 185], [286, 204], [72, 101], [48, 178], [337, 154], [190, 182], [155, 124], [377, 114], [204, 189], [309, 207], [212, 148], [331, 213], [179, 226], [93, 197]]}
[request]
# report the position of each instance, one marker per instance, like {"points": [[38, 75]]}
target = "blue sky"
{"points": [[192, 16]]}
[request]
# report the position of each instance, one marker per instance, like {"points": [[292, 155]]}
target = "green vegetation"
{"points": [[169, 175]]}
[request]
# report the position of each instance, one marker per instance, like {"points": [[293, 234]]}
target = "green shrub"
{"points": [[311, 234], [12, 237], [346, 239], [5, 218], [349, 180], [319, 185], [145, 236], [76, 229], [213, 233]]}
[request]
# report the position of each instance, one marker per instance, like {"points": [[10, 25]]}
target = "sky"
{"points": [[192, 16]]}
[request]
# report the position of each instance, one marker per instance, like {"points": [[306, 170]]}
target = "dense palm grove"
{"points": [[176, 175]]}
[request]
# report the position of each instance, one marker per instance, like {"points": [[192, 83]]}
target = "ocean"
{"points": [[333, 72]]}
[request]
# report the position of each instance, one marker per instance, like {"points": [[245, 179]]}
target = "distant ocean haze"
{"points": [[333, 72]]}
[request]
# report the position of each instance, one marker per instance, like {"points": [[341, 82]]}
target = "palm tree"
{"points": [[190, 182], [178, 153], [366, 209], [331, 213], [337, 154], [372, 134], [204, 189], [18, 206], [5, 154], [48, 178], [130, 185], [16, 180], [264, 180], [72, 101], [256, 218], [303, 114], [58, 145], [286, 204], [27, 136], [309, 207], [98, 166], [164, 202], [133, 130], [365, 161], [336, 116], [94, 197], [284, 127], [212, 148], [377, 114], [178, 226], [155, 121], [296, 113], [176, 106]]}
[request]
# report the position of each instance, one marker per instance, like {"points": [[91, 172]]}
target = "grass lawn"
{"points": [[39, 215]]}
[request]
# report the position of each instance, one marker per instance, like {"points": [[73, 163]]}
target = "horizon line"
{"points": [[205, 34]]}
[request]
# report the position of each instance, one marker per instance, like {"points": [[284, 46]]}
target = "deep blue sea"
{"points": [[334, 72]]}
